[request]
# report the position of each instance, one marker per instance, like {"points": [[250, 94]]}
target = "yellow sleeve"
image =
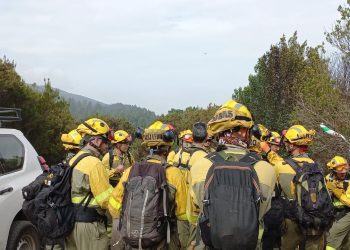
{"points": [[176, 179], [105, 161], [99, 183], [344, 197], [116, 198], [192, 210], [176, 158], [274, 158], [170, 158]]}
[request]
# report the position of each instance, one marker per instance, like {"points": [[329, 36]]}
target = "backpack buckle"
{"points": [[206, 202], [52, 204]]}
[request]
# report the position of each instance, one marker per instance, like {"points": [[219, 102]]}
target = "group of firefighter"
{"points": [[185, 157]]}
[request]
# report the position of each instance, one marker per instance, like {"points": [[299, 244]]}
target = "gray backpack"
{"points": [[144, 220]]}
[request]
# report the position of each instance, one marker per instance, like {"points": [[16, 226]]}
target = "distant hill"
{"points": [[82, 107]]}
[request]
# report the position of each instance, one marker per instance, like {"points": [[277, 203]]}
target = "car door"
{"points": [[18, 167]]}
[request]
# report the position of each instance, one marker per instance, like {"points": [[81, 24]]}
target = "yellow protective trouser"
{"points": [[192, 236], [293, 237], [183, 230], [87, 236], [117, 242], [339, 234]]}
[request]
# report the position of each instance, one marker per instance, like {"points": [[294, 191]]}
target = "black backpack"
{"points": [[53, 206], [144, 219], [50, 177], [231, 204], [314, 207], [275, 216]]}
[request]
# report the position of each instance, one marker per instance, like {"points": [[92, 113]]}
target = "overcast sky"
{"points": [[157, 54]]}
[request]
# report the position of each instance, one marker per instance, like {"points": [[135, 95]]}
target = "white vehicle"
{"points": [[19, 166]]}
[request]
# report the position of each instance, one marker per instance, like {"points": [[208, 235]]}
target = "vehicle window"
{"points": [[11, 154]]}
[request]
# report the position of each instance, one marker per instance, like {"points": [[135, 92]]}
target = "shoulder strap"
{"points": [[79, 158], [129, 157], [110, 152], [346, 182], [294, 165], [250, 158], [215, 157]]}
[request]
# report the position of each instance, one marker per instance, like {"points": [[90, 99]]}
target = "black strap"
{"points": [[346, 182], [129, 157], [111, 156], [89, 127], [294, 165], [79, 158]]}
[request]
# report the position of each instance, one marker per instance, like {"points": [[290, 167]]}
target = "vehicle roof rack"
{"points": [[10, 115]]}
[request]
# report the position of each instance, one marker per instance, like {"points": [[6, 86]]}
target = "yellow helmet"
{"points": [[230, 115], [299, 135], [260, 132], [121, 135], [275, 138], [71, 140], [158, 134], [186, 136], [338, 164], [93, 126]]}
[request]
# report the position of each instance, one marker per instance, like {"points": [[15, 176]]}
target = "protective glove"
{"points": [[334, 189], [331, 186]]}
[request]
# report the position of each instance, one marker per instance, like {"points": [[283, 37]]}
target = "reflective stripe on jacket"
{"points": [[89, 175]]}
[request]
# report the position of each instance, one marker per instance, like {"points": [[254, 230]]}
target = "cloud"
{"points": [[135, 51]]}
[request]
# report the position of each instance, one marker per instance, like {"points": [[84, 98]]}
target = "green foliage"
{"points": [[271, 91], [184, 119], [339, 38], [44, 115], [136, 115]]}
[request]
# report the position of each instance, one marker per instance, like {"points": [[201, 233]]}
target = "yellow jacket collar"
{"points": [[93, 151]]}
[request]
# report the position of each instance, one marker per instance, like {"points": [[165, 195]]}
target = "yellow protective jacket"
{"points": [[170, 158], [341, 197], [192, 210], [274, 158], [127, 160], [286, 174], [175, 181], [266, 174], [89, 175]]}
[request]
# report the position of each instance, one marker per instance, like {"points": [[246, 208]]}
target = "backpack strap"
{"points": [[129, 156], [294, 165], [251, 158], [346, 182], [79, 158], [111, 156], [215, 157], [167, 219]]}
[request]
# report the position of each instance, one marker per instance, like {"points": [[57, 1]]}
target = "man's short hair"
{"points": [[199, 132]]}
